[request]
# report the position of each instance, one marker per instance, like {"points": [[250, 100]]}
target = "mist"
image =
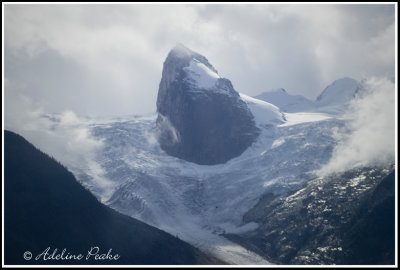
{"points": [[368, 138], [65, 136]]}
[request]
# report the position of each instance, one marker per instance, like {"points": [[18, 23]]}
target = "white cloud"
{"points": [[66, 136], [107, 59], [369, 136]]}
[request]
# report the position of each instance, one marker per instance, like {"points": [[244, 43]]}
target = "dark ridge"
{"points": [[44, 206], [329, 221]]}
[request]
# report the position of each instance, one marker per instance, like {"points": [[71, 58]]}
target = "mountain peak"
{"points": [[339, 92], [182, 56], [201, 117], [181, 50]]}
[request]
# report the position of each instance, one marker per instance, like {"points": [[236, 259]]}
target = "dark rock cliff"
{"points": [[202, 119]]}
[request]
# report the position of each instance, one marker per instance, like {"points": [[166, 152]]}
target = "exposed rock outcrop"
{"points": [[202, 119]]}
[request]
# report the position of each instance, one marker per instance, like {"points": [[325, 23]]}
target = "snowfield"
{"points": [[304, 117], [264, 113]]}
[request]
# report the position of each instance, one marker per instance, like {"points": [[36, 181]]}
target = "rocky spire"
{"points": [[202, 118]]}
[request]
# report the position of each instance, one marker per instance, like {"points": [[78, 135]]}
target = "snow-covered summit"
{"points": [[339, 92], [285, 101], [181, 50], [197, 70], [334, 99], [184, 55]]}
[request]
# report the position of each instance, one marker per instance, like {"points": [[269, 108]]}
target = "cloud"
{"points": [[65, 136], [107, 59], [167, 131], [368, 138]]}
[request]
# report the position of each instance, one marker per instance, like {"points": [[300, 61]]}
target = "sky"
{"points": [[103, 60]]}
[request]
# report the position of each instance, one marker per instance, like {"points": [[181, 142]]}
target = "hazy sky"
{"points": [[107, 59]]}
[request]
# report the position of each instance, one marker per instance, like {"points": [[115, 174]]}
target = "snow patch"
{"points": [[264, 113], [201, 75], [303, 117], [277, 142], [357, 180]]}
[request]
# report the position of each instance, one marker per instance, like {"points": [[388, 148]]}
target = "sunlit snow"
{"points": [[264, 112], [304, 117], [203, 76]]}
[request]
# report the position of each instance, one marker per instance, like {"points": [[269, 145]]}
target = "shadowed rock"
{"points": [[202, 119]]}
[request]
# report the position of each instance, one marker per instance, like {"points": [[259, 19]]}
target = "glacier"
{"points": [[198, 203]]}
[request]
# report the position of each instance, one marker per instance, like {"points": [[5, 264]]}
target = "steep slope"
{"points": [[46, 207], [202, 119], [287, 102], [337, 95], [344, 218], [264, 113], [373, 225]]}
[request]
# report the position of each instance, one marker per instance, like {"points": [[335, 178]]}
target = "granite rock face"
{"points": [[201, 118]]}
